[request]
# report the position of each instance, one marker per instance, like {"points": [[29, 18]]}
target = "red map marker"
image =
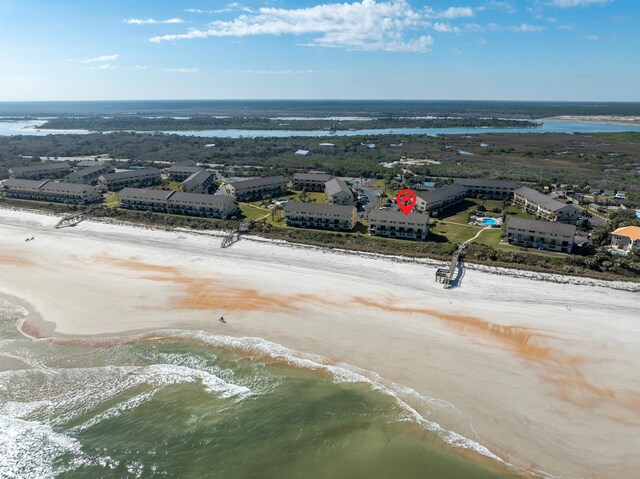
{"points": [[406, 200]]}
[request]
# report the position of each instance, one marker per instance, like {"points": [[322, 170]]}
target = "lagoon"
{"points": [[29, 127]]}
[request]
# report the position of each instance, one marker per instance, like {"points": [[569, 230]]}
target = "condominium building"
{"points": [[545, 207], [493, 189], [90, 174], [47, 190], [181, 172], [41, 171], [198, 204], [145, 199], [440, 199], [310, 181], [256, 189], [544, 235], [338, 192], [199, 182], [322, 216], [132, 178], [395, 224], [178, 202], [88, 163]]}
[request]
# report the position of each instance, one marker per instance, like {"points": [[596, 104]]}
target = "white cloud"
{"points": [[456, 12], [498, 5], [230, 7], [576, 3], [495, 27], [152, 21], [525, 28], [445, 28], [367, 25], [103, 58], [593, 37], [142, 67]]}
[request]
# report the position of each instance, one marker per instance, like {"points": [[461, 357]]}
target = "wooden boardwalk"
{"points": [[447, 276], [234, 234], [73, 219]]}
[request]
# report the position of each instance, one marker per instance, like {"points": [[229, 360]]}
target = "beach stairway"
{"points": [[448, 276], [233, 235], [74, 218]]}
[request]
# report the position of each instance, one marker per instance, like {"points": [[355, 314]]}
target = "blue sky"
{"points": [[367, 49]]}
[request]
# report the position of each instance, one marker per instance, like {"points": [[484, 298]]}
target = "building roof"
{"points": [[87, 163], [256, 182], [187, 163], [131, 173], [396, 215], [198, 177], [179, 168], [313, 176], [211, 200], [336, 185], [442, 193], [18, 183], [146, 193], [318, 208], [631, 232], [542, 226], [302, 152], [40, 167], [54, 186], [87, 171], [485, 182], [541, 199]]}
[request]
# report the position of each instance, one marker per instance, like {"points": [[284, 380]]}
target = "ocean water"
{"points": [[190, 405]]}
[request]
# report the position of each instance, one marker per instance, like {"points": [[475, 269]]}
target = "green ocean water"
{"points": [[190, 405]]}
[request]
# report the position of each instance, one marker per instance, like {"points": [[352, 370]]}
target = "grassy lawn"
{"points": [[252, 212], [492, 238], [294, 195], [452, 233], [170, 185], [460, 212], [112, 200]]}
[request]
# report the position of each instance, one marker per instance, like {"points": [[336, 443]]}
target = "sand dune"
{"points": [[546, 375]]}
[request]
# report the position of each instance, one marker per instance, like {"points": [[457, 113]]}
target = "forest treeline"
{"points": [[350, 156], [208, 122]]}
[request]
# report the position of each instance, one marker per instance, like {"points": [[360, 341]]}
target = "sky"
{"points": [[573, 50]]}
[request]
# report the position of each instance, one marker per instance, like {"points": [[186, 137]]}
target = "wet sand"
{"points": [[545, 375]]}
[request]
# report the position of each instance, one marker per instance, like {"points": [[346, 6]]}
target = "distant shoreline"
{"points": [[608, 119]]}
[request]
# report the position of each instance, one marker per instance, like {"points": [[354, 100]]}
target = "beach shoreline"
{"points": [[513, 356], [608, 119]]}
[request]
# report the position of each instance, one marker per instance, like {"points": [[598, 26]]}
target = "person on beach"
{"points": [[222, 320]]}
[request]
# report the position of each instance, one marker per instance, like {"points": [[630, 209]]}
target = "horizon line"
{"points": [[317, 100]]}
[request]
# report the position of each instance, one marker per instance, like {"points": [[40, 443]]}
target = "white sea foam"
{"points": [[28, 449], [258, 348], [173, 374], [13, 310]]}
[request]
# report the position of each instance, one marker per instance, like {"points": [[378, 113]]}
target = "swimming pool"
{"points": [[489, 221]]}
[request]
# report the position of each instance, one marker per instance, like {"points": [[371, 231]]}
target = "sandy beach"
{"points": [[544, 375], [611, 119]]}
